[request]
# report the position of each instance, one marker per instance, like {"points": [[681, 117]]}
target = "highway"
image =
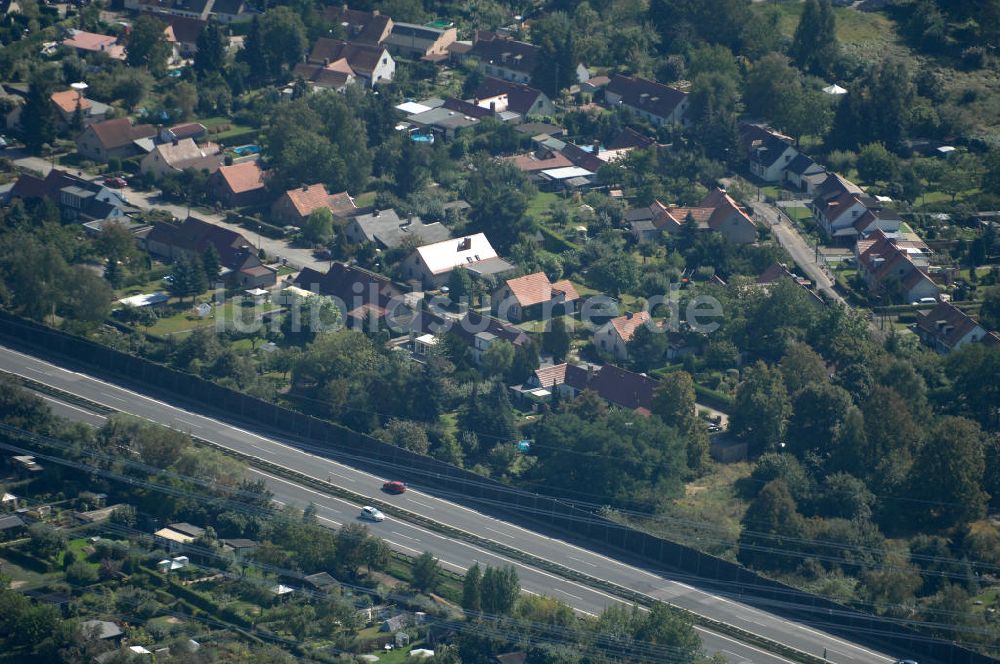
{"points": [[454, 554]]}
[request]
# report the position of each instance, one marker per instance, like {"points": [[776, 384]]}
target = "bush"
{"points": [[81, 574]]}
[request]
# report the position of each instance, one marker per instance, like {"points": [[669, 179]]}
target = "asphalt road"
{"points": [[456, 554]]}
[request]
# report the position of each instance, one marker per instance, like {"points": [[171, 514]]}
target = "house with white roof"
{"points": [[432, 264]]}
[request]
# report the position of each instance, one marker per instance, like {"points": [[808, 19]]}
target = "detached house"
{"points": [[387, 230], [240, 264], [361, 294], [619, 387], [533, 296], [770, 157], [180, 155], [238, 185], [895, 268], [113, 138], [68, 101], [361, 27], [335, 76], [181, 33], [805, 175], [614, 336], [837, 205], [432, 264], [79, 200], [717, 212], [420, 42], [479, 332], [295, 205], [372, 63], [500, 95], [505, 58], [659, 104], [90, 42], [946, 328]]}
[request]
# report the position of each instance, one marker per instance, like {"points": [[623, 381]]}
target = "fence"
{"points": [[541, 513]]}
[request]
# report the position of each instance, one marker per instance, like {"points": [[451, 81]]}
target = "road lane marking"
{"points": [[569, 594], [500, 533], [716, 635], [111, 396], [190, 424], [417, 502], [581, 561], [69, 405], [396, 532]]}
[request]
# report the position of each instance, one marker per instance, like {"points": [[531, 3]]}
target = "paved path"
{"points": [[793, 242]]}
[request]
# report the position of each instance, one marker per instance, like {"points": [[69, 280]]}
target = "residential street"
{"points": [[793, 242]]}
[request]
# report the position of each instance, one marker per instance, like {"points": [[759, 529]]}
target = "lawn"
{"points": [[184, 320], [798, 213], [538, 207], [21, 577]]}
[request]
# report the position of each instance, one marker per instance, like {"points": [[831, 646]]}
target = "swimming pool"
{"points": [[244, 150]]}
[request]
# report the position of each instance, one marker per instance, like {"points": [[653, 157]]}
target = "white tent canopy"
{"points": [[835, 90]]}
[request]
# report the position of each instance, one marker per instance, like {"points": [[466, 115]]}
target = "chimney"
{"points": [[326, 61], [465, 244], [375, 12], [175, 141], [376, 213], [628, 315], [305, 187]]}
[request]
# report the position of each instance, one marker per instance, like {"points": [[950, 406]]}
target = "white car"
{"points": [[371, 514]]}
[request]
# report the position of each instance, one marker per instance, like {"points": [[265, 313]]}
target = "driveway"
{"points": [[278, 249]]}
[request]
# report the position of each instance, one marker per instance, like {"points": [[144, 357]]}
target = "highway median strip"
{"points": [[455, 533]]}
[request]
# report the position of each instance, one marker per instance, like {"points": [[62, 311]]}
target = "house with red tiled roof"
{"points": [[370, 62], [67, 102], [112, 138], [539, 160], [335, 76], [533, 296], [238, 185], [614, 336], [91, 42], [295, 205], [895, 268], [240, 264], [946, 328], [718, 212]]}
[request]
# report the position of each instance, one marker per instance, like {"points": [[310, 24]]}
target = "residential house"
{"points": [[395, 623], [479, 332], [180, 155], [385, 229], [771, 156], [449, 117], [804, 175], [240, 547], [295, 205], [175, 536], [502, 95], [420, 42], [946, 328], [886, 220], [361, 27], [370, 62], [237, 256], [659, 104], [79, 200], [361, 295], [103, 630], [181, 32], [502, 57], [231, 11], [11, 527], [335, 76], [67, 103], [533, 296], [239, 185], [192, 130], [627, 140], [837, 205], [718, 212], [614, 336], [116, 138], [540, 160], [90, 42], [321, 582], [891, 269], [432, 264], [619, 387]]}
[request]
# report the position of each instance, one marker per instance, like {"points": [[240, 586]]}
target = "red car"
{"points": [[115, 182], [395, 486]]}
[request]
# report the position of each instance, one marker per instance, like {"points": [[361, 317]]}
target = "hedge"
{"points": [[555, 242]]}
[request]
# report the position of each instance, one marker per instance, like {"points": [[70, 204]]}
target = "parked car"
{"points": [[394, 486], [369, 513], [115, 182]]}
